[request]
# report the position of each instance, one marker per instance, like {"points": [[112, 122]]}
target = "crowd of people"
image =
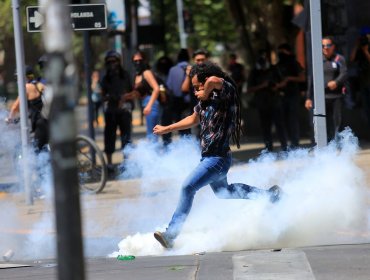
{"points": [[277, 86]]}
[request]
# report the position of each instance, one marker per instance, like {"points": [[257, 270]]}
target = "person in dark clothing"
{"points": [[290, 74], [39, 124], [118, 97], [218, 112], [261, 82], [335, 76], [236, 71], [360, 55]]}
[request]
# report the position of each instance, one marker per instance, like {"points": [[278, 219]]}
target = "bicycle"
{"points": [[91, 165]]}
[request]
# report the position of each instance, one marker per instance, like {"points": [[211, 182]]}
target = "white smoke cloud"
{"points": [[323, 203]]}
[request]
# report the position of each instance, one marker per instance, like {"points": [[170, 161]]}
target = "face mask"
{"points": [[112, 67], [262, 64], [139, 67], [283, 56]]}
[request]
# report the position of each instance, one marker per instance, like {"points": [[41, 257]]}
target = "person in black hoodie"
{"points": [[118, 97], [289, 76]]}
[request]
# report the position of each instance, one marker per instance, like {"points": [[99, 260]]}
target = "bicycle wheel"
{"points": [[92, 169]]}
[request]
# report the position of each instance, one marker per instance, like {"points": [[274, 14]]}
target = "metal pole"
{"points": [[134, 25], [180, 20], [319, 116], [87, 68], [62, 81], [19, 54]]}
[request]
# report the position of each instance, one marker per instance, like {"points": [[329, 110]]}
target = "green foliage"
{"points": [[212, 24], [6, 19], [6, 22]]}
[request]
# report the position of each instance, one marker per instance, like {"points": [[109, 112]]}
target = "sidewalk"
{"points": [[324, 262]]}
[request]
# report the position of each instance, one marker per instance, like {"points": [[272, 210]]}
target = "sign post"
{"points": [[83, 17]]}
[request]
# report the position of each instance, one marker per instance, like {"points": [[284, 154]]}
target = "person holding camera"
{"points": [[361, 56], [118, 99]]}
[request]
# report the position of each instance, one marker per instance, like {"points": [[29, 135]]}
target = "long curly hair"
{"points": [[208, 69]]}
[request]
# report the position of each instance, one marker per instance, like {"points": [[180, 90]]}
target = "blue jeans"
{"points": [[152, 119], [212, 171]]}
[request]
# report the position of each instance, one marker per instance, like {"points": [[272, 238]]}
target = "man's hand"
{"points": [[308, 104], [160, 129], [282, 84], [332, 85], [187, 70], [201, 95]]}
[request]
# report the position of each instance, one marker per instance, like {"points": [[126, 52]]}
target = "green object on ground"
{"points": [[177, 267], [125, 257]]}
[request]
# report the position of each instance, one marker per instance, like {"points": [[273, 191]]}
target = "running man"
{"points": [[218, 112]]}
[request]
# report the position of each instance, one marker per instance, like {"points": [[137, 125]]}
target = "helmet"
{"points": [[112, 54]]}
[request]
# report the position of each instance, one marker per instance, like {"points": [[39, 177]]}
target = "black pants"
{"points": [[272, 114], [41, 133], [333, 112], [291, 117], [114, 119], [179, 108], [166, 119]]}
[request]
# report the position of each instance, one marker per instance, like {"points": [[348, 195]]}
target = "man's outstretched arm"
{"points": [[185, 123]]}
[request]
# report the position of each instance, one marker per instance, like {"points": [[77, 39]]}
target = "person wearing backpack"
{"points": [[39, 124], [335, 78]]}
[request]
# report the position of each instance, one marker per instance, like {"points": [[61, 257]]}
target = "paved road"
{"points": [[324, 262]]}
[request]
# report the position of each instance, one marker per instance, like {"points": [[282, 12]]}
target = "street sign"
{"points": [[83, 17]]}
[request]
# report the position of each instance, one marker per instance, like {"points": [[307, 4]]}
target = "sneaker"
{"points": [[275, 193], [165, 241]]}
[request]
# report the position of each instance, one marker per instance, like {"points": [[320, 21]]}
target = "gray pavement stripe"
{"points": [[262, 265], [12, 265]]}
